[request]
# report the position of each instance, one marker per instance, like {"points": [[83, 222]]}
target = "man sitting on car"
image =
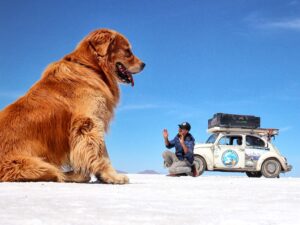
{"points": [[180, 163]]}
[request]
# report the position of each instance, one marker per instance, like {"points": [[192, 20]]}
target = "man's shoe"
{"points": [[166, 165], [194, 171], [172, 175]]}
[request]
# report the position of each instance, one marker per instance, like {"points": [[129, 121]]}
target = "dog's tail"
{"points": [[28, 169]]}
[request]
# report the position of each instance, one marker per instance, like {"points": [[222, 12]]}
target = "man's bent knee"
{"points": [[166, 153]]}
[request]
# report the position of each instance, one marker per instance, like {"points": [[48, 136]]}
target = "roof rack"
{"points": [[259, 131]]}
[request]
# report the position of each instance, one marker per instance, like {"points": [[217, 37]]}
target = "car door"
{"points": [[229, 152]]}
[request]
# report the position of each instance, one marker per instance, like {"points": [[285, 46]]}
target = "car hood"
{"points": [[203, 145]]}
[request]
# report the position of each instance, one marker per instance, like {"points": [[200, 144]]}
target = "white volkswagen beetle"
{"points": [[241, 150]]}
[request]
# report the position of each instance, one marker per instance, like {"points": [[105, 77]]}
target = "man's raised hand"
{"points": [[165, 133]]}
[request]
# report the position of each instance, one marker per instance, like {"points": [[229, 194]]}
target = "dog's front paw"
{"points": [[114, 178]]}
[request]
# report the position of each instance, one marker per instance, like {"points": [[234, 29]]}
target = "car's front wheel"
{"points": [[253, 174], [271, 168], [200, 164]]}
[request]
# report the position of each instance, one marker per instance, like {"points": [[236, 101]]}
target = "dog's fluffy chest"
{"points": [[94, 105]]}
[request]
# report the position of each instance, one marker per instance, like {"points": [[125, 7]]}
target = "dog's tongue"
{"points": [[131, 80]]}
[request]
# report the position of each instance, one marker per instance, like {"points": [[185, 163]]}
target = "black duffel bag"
{"points": [[234, 121]]}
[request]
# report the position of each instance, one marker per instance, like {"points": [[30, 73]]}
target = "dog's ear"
{"points": [[101, 40]]}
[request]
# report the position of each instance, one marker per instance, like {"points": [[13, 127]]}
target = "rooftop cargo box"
{"points": [[234, 121]]}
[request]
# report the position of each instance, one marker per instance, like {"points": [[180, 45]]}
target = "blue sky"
{"points": [[202, 57]]}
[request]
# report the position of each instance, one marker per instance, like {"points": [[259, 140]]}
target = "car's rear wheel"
{"points": [[254, 174], [271, 168], [200, 164]]}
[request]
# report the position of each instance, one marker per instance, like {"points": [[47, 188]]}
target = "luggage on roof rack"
{"points": [[234, 121], [260, 131]]}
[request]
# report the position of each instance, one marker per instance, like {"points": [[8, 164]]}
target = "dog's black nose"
{"points": [[143, 66]]}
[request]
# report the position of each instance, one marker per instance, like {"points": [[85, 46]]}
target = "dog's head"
{"points": [[114, 50]]}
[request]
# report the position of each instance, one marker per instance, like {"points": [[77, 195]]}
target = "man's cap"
{"points": [[185, 125]]}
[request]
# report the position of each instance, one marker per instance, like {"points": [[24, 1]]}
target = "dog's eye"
{"points": [[128, 53]]}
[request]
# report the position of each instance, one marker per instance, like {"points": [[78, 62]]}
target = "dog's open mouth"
{"points": [[124, 75]]}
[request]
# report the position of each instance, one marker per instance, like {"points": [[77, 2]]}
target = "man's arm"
{"points": [[188, 146], [169, 144], [166, 135], [185, 148]]}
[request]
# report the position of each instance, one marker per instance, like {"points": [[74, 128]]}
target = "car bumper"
{"points": [[288, 168]]}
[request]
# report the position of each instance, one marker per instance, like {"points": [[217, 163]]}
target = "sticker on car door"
{"points": [[230, 158]]}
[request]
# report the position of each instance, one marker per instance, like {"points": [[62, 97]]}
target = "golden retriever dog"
{"points": [[63, 118]]}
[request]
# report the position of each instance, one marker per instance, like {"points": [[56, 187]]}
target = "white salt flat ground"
{"points": [[154, 199]]}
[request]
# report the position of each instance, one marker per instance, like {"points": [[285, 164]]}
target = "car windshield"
{"points": [[212, 139]]}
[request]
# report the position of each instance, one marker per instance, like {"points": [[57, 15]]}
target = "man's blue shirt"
{"points": [[189, 142]]}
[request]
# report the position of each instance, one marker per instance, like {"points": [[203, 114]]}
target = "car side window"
{"points": [[231, 140], [255, 141]]}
